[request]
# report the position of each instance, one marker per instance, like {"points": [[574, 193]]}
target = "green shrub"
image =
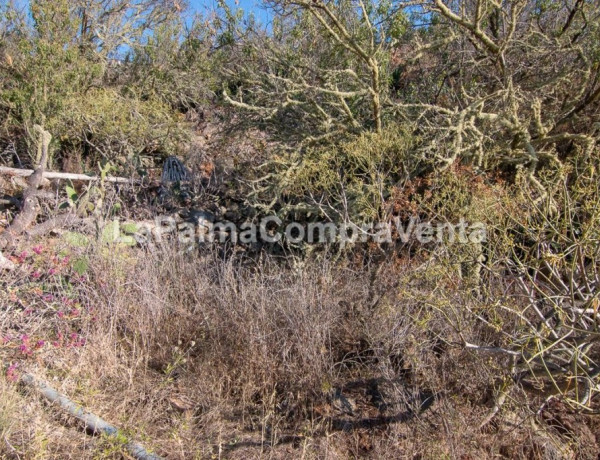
{"points": [[351, 180], [119, 128], [97, 102]]}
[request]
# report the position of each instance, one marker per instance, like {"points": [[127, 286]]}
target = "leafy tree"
{"points": [[507, 84], [73, 67], [320, 73]]}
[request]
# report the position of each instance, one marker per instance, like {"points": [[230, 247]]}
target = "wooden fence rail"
{"points": [[61, 175]]}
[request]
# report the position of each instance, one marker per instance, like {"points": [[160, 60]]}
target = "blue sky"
{"points": [[205, 6], [249, 6]]}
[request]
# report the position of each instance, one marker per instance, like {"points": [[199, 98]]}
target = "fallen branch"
{"points": [[62, 222], [60, 175], [493, 350], [10, 201], [92, 422], [500, 400]]}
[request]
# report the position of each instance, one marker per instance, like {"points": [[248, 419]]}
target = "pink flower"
{"points": [[52, 271], [75, 340], [38, 249], [11, 372], [25, 350], [40, 344], [47, 297], [36, 274]]}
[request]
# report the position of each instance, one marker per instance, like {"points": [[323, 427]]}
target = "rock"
{"points": [[181, 403], [6, 264]]}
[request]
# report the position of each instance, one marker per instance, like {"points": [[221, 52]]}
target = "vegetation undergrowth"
{"points": [[366, 113]]}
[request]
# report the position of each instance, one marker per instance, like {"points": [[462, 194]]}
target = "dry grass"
{"points": [[204, 356]]}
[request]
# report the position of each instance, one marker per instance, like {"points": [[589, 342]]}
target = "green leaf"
{"points": [[110, 233], [75, 239], [129, 228], [81, 265], [71, 193], [127, 240]]}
